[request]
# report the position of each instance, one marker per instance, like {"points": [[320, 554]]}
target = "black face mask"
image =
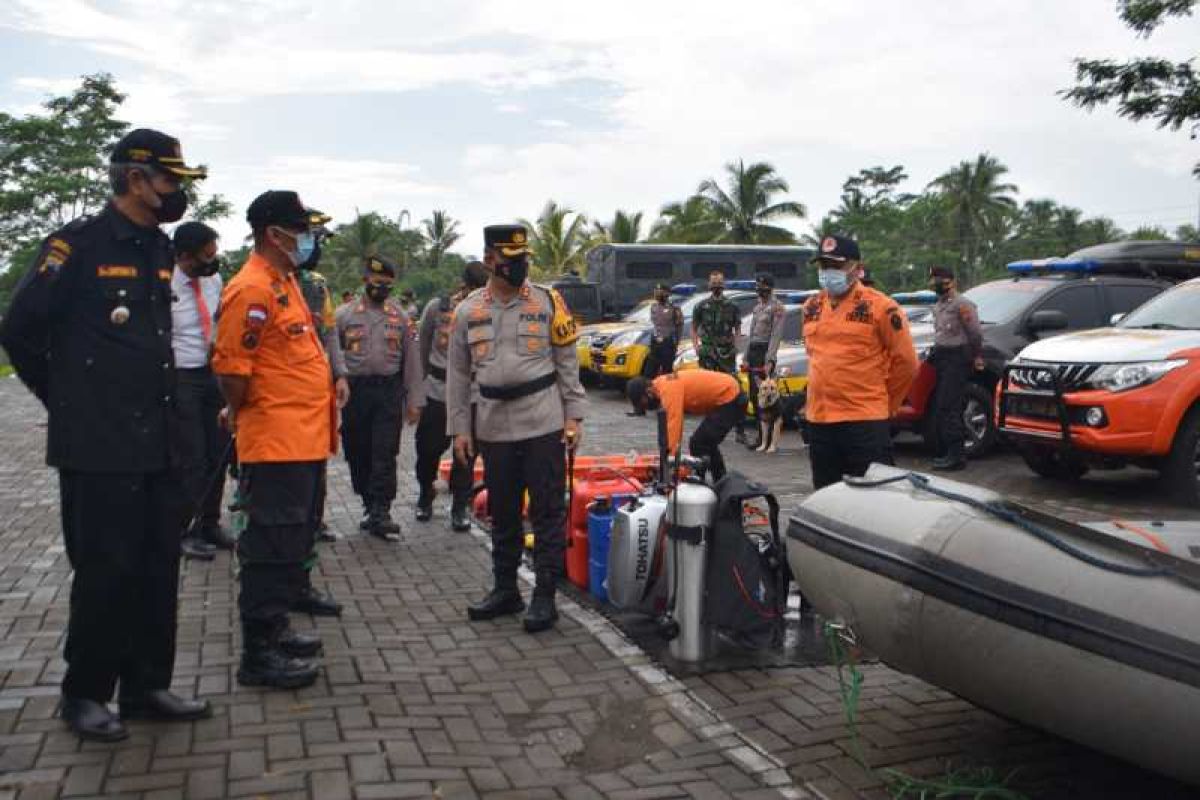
{"points": [[716, 291], [173, 205], [513, 272], [764, 293], [206, 269], [661, 297], [941, 288], [379, 293], [312, 261]]}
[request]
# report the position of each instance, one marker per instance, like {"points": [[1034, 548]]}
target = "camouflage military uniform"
{"points": [[715, 322]]}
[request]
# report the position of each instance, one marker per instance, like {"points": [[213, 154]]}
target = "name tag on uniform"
{"points": [[117, 271]]}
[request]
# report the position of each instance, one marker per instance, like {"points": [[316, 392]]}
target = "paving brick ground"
{"points": [[416, 702]]}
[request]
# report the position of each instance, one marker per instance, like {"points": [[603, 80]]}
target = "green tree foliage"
{"points": [[1143, 88], [558, 241], [978, 206], [689, 221], [625, 228], [746, 207], [441, 232]]}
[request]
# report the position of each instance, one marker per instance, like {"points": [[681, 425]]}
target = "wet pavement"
{"points": [[416, 702]]}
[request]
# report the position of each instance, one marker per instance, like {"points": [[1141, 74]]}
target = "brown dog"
{"points": [[770, 415]]}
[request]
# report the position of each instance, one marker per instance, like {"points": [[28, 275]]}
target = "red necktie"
{"points": [[202, 310]]}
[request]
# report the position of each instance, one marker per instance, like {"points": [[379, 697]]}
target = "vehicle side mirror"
{"points": [[1047, 320], [1115, 318]]}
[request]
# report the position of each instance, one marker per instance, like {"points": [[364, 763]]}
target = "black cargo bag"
{"points": [[747, 574]]}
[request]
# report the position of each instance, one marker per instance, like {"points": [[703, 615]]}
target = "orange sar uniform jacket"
{"points": [[266, 333], [693, 391], [861, 359]]}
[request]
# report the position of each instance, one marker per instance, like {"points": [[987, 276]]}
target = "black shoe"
{"points": [[219, 537], [266, 666], [635, 413], [325, 533], [425, 505], [92, 721], [196, 549], [459, 521], [542, 613], [318, 605], [949, 464], [165, 706], [498, 603], [382, 526], [298, 645]]}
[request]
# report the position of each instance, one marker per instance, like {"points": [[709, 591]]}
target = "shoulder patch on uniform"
{"points": [[563, 329]]}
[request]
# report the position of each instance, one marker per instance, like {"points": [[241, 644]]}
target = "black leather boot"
{"points": [[542, 613], [498, 603], [383, 526], [317, 604], [92, 721], [364, 524], [459, 520], [263, 664], [425, 504], [299, 645], [165, 706]]}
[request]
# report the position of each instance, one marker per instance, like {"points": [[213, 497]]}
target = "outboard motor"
{"points": [[691, 510], [636, 553]]}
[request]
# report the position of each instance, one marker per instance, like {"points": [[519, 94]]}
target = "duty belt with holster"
{"points": [[519, 390]]}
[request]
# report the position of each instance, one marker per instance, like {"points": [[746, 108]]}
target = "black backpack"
{"points": [[747, 572]]}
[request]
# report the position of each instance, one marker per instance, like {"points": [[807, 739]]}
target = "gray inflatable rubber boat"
{"points": [[1092, 633]]}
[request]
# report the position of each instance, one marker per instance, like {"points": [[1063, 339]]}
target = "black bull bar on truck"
{"points": [[1041, 376]]}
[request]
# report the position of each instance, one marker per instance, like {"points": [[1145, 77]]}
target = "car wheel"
{"points": [[1182, 470], [1051, 463], [978, 421]]}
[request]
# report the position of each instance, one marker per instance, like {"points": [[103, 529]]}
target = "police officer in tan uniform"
{"points": [[437, 322], [957, 350], [379, 345], [518, 339]]}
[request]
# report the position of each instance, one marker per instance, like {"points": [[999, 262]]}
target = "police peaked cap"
{"points": [[510, 240], [378, 265]]}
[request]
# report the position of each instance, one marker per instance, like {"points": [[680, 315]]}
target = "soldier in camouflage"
{"points": [[714, 328]]}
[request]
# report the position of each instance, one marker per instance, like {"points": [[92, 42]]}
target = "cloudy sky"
{"points": [[487, 109]]}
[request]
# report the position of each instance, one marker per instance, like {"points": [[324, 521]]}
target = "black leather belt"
{"points": [[438, 372], [517, 391], [374, 380]]}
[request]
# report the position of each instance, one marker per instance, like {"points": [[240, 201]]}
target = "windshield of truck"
{"points": [[1175, 310], [1000, 301]]}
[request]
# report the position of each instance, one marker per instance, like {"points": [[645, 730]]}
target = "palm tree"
{"points": [[688, 222], [441, 231], [558, 240], [745, 208], [343, 256], [978, 206], [625, 228]]}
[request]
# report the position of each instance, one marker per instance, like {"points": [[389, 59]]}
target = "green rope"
{"points": [[976, 783]]}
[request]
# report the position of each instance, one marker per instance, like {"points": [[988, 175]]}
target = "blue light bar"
{"points": [[795, 297], [922, 297], [683, 289], [1053, 265], [742, 284]]}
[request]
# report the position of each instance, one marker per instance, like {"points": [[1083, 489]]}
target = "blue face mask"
{"points": [[306, 244], [834, 281]]}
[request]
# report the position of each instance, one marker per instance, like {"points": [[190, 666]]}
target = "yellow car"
{"points": [[598, 335], [791, 373]]}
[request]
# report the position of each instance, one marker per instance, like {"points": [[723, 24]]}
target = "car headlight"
{"points": [[1122, 377], [627, 338], [688, 355]]}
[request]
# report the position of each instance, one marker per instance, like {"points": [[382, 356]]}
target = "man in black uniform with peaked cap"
{"points": [[89, 332]]}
